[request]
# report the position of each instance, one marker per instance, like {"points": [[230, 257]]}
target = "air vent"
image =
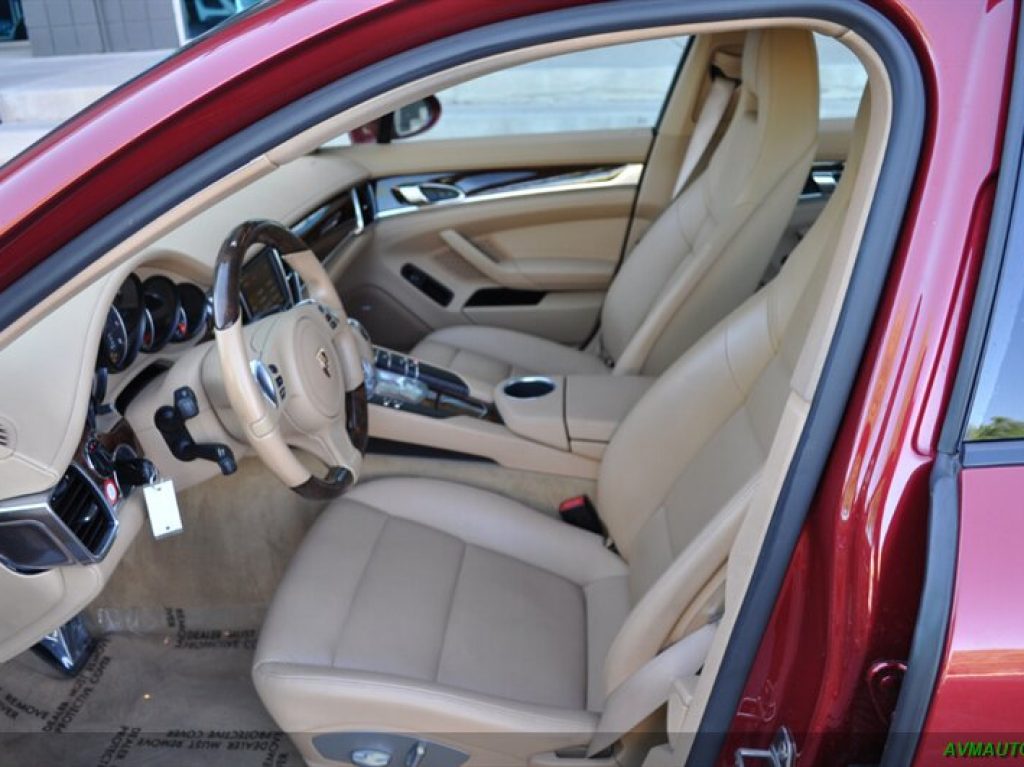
{"points": [[79, 505]]}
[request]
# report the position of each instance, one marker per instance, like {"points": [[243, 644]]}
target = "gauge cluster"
{"points": [[146, 316]]}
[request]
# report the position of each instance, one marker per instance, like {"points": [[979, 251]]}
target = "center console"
{"points": [[550, 424], [403, 383]]}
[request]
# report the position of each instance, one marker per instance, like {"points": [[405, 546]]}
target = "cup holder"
{"points": [[528, 388]]}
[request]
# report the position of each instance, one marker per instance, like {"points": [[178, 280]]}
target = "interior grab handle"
{"points": [[428, 193]]}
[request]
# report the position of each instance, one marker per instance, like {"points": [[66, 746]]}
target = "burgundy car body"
{"points": [[980, 689], [828, 664]]}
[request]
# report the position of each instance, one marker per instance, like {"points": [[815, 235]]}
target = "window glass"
{"points": [[841, 78], [997, 411], [619, 86]]}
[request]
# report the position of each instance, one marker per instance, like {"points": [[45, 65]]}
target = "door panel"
{"points": [[538, 263], [520, 232]]}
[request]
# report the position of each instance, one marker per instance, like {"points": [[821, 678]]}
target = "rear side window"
{"points": [[997, 409]]}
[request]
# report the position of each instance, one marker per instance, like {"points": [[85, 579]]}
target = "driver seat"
{"points": [[426, 611]]}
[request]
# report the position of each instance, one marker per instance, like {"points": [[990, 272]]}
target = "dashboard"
{"points": [[76, 522], [155, 318], [78, 437]]}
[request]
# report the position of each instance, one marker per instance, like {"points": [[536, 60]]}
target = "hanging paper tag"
{"points": [[162, 505]]}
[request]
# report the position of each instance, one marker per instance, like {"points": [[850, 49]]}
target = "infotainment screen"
{"points": [[263, 288]]}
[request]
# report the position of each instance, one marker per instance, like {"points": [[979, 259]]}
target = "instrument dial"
{"points": [[162, 310], [122, 330], [114, 345], [193, 313]]}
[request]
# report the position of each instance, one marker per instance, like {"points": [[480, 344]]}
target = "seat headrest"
{"points": [[781, 56]]}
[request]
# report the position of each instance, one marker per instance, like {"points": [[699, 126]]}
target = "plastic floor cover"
{"points": [[163, 687]]}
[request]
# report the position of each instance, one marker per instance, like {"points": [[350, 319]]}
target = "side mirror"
{"points": [[405, 122], [416, 118]]}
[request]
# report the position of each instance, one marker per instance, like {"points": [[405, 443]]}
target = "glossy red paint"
{"points": [[980, 692], [850, 596], [202, 95]]}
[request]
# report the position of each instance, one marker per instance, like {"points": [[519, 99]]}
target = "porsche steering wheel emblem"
{"points": [[324, 360]]}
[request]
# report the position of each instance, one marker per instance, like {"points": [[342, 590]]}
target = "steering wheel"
{"points": [[295, 378]]}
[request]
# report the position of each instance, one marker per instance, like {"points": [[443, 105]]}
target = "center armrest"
{"points": [[568, 411], [595, 405], [534, 407]]}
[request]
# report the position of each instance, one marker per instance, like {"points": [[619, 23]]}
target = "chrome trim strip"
{"points": [[361, 224], [627, 175], [358, 210], [826, 180]]}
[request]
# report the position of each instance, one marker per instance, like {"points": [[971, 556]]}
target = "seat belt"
{"points": [[712, 112], [649, 687]]}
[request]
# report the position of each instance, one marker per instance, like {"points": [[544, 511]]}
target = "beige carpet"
{"points": [[164, 687]]}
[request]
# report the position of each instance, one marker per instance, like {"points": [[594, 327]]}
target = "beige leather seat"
{"points": [[434, 609], [703, 256]]}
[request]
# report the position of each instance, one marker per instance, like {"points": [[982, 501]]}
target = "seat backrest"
{"points": [[707, 251], [682, 468]]}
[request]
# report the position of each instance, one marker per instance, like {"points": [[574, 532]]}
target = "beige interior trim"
{"points": [[750, 539], [811, 362], [476, 437], [584, 225], [574, 147], [34, 605], [596, 404], [614, 146], [535, 273], [540, 419]]}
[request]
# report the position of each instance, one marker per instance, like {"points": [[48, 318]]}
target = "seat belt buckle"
{"points": [[579, 511]]}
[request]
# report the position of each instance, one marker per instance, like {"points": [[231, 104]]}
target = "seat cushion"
{"points": [[416, 605], [486, 356]]}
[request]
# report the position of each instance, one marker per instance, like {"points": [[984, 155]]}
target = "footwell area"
{"points": [[164, 687]]}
